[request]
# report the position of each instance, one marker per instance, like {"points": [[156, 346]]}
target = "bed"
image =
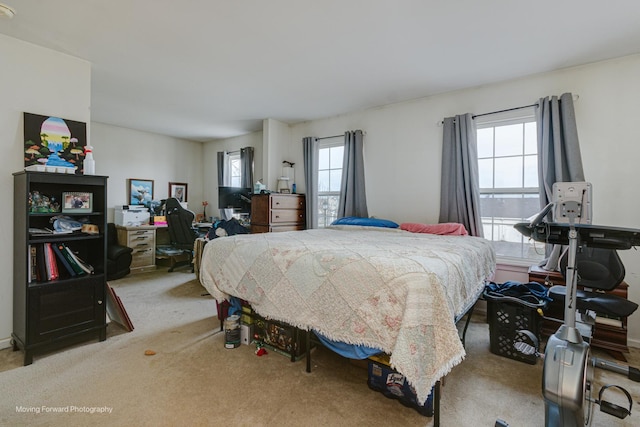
{"points": [[389, 289]]}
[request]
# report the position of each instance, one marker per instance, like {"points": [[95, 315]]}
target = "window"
{"points": [[330, 156], [235, 171], [508, 172]]}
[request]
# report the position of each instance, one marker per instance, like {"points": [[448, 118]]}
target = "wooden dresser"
{"points": [[277, 212], [142, 239], [612, 338]]}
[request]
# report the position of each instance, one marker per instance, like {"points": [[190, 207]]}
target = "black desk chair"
{"points": [[182, 233]]}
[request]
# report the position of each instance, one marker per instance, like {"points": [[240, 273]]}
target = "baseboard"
{"points": [[5, 343], [633, 343]]}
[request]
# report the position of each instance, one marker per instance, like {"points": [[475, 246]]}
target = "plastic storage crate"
{"points": [[394, 385], [508, 315]]}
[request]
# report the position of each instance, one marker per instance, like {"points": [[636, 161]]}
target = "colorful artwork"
{"points": [[54, 144]]}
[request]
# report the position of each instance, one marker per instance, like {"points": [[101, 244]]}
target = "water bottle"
{"points": [[89, 163]]}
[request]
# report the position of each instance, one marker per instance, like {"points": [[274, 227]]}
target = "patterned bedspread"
{"points": [[383, 288]]}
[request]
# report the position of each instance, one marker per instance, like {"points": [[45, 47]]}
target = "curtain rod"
{"points": [[504, 111], [338, 136], [328, 137], [575, 98], [441, 122]]}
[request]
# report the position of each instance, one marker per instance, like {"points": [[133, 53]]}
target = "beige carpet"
{"points": [[194, 381]]}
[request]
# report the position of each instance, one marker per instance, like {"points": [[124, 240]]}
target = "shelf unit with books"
{"points": [[59, 282]]}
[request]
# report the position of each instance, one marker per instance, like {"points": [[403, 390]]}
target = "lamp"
{"points": [[288, 174]]}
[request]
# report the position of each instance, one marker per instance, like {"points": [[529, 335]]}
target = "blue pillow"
{"points": [[369, 222]]}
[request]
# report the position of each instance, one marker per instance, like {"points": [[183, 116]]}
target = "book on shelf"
{"points": [[41, 267], [67, 255], [57, 248], [47, 231], [33, 264], [88, 268], [50, 262]]}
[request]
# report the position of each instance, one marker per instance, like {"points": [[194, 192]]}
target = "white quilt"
{"points": [[383, 288]]}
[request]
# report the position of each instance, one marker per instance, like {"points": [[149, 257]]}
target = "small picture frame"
{"points": [[285, 191], [140, 191], [77, 202], [178, 190]]}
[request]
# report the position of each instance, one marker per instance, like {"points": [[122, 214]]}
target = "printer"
{"points": [[132, 215]]}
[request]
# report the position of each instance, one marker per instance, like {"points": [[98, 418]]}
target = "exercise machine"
{"points": [[592, 260]]}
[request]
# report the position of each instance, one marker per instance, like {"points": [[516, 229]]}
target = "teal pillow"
{"points": [[369, 222]]}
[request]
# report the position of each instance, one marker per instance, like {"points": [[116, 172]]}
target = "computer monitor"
{"points": [[236, 198]]}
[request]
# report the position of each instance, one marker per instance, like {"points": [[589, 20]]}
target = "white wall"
{"points": [[211, 149], [276, 148], [39, 81], [403, 145], [123, 153]]}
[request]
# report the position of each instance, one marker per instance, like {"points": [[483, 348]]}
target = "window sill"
{"points": [[516, 262]]}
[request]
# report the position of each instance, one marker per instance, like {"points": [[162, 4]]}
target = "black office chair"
{"points": [[182, 233]]}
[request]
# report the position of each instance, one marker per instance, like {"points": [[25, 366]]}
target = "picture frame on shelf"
{"points": [[77, 202], [139, 191], [178, 190]]}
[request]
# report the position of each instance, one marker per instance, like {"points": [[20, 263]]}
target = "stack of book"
{"points": [[49, 260]]}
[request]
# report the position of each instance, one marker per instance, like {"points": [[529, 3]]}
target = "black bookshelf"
{"points": [[54, 313]]}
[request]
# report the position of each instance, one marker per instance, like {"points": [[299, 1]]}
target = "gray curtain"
{"points": [[246, 164], [223, 181], [310, 154], [559, 158], [220, 165], [353, 198], [460, 191]]}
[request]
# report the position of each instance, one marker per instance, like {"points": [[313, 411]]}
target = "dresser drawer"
{"points": [[284, 215], [140, 237], [142, 257], [286, 202]]}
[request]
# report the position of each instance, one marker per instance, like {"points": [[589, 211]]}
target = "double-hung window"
{"points": [[508, 172], [235, 171], [330, 154]]}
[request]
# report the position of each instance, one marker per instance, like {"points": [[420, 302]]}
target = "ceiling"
{"points": [[210, 69]]}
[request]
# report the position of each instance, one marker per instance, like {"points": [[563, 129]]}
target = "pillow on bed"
{"points": [[446, 228], [369, 222]]}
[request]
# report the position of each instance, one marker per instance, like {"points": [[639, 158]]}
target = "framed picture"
{"points": [[77, 202], [140, 191], [178, 190], [54, 144]]}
